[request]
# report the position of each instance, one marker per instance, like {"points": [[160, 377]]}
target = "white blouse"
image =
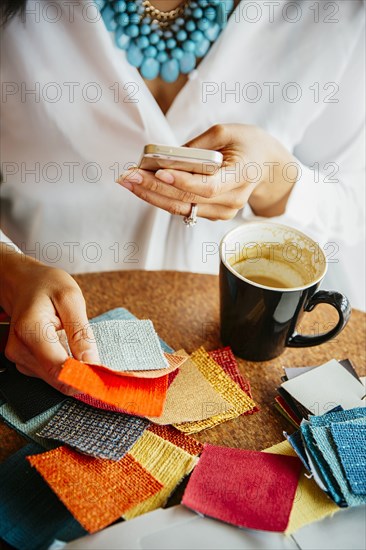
{"points": [[74, 114]]}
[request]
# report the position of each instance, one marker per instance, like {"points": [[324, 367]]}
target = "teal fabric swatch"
{"points": [[324, 441], [32, 427], [350, 441], [31, 515], [323, 470]]}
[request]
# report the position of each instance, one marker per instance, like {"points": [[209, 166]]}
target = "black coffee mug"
{"points": [[259, 316]]}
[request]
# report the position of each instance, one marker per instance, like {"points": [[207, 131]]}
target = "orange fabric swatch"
{"points": [[179, 439], [96, 491], [141, 396]]}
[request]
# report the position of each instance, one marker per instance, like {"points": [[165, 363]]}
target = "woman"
{"points": [[278, 91]]}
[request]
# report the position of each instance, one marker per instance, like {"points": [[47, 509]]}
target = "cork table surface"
{"points": [[184, 308]]}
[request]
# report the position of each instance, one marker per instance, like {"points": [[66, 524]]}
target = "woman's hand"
{"points": [[41, 301], [256, 169]]}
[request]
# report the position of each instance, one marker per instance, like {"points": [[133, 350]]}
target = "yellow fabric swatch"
{"points": [[190, 397], [163, 460], [310, 503], [225, 386]]}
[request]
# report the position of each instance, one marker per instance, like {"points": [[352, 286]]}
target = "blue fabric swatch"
{"points": [[322, 466], [350, 441], [342, 416], [31, 514], [297, 444]]}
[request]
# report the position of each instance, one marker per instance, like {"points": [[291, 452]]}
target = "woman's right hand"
{"points": [[42, 300]]}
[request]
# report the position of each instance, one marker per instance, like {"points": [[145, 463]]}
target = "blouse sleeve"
{"points": [[328, 199]]}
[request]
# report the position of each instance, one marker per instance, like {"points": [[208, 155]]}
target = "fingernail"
{"points": [[131, 177], [164, 176]]}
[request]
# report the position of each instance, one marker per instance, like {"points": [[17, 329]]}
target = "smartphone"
{"points": [[190, 159]]}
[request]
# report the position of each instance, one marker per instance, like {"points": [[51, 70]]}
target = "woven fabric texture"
{"points": [[179, 439], [224, 385], [338, 416], [31, 514], [166, 462], [320, 465], [325, 444], [96, 491], [31, 428], [191, 397], [297, 444], [245, 488], [129, 345], [124, 314], [310, 503], [174, 362], [139, 396], [226, 359], [350, 441], [101, 434], [27, 395]]}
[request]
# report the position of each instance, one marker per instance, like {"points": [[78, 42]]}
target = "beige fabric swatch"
{"points": [[227, 388], [191, 397], [166, 463]]}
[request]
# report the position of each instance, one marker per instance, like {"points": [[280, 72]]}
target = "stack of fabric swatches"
{"points": [[309, 391], [332, 447], [121, 446]]}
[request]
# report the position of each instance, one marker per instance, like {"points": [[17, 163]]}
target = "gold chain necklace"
{"points": [[163, 18]]}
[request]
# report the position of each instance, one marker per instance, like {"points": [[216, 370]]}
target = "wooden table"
{"points": [[184, 308]]}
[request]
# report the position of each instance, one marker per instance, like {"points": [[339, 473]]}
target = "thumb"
{"points": [[77, 328], [215, 138]]}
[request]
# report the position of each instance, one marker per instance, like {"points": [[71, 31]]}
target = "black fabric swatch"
{"points": [[27, 395]]}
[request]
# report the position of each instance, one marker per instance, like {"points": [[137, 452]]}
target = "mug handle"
{"points": [[335, 299]]}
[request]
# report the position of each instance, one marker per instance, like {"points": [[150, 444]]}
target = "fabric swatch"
{"points": [[174, 362], [225, 386], [297, 444], [101, 434], [27, 395], [311, 503], [179, 439], [245, 488], [96, 491], [124, 314], [322, 473], [325, 444], [129, 345], [31, 514], [191, 397], [166, 462], [350, 441], [139, 396], [30, 428], [288, 411], [226, 359], [338, 416]]}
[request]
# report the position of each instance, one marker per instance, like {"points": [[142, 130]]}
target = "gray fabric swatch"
{"points": [[95, 432], [129, 345]]}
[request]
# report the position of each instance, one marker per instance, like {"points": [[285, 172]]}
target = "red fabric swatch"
{"points": [[144, 397], [226, 359], [245, 488], [179, 439]]}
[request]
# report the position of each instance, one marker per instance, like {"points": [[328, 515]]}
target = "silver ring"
{"points": [[191, 220]]}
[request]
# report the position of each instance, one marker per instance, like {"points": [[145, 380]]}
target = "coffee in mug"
{"points": [[269, 276]]}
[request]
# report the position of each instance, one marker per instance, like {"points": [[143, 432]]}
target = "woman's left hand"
{"points": [[255, 170]]}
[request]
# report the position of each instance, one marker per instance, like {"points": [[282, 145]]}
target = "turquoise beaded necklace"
{"points": [[164, 44]]}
